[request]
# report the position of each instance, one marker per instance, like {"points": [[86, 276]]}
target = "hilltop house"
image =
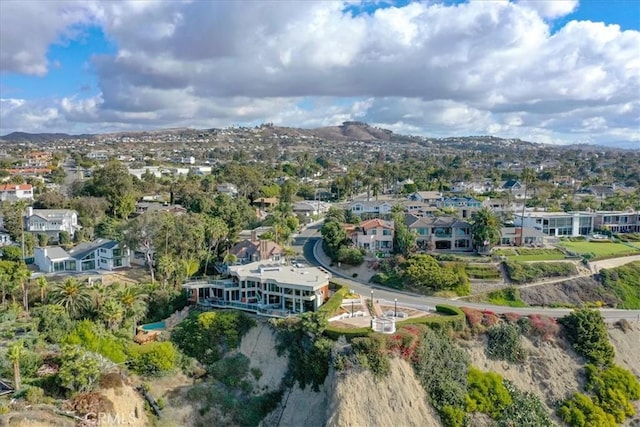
{"points": [[374, 235], [441, 233], [265, 289], [15, 192], [51, 221], [247, 251], [101, 254]]}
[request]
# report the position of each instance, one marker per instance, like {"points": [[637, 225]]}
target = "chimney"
{"points": [[263, 250], [29, 211], [254, 235]]}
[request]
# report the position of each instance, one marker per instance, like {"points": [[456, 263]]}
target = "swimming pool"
{"points": [[157, 326]]}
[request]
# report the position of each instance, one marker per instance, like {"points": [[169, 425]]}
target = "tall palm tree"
{"points": [[42, 285], [189, 267], [527, 177], [20, 275], [74, 296], [99, 294], [15, 354], [133, 301], [166, 268], [5, 280], [112, 313]]}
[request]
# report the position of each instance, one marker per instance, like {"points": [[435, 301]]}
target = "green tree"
{"points": [[215, 231], [404, 238], [116, 185], [111, 313], [189, 267], [43, 285], [73, 295], [79, 371], [485, 228], [587, 333], [20, 275], [15, 354], [334, 236]]}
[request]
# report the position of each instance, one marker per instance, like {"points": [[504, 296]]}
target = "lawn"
{"points": [[600, 249], [530, 254]]}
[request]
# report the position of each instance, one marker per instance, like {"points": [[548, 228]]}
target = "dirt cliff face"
{"points": [[357, 399]]}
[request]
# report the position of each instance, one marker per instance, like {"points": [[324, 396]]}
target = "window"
{"points": [[386, 232], [373, 231]]}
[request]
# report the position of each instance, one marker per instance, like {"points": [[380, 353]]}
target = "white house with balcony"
{"points": [[101, 254], [555, 224], [51, 221], [264, 288]]}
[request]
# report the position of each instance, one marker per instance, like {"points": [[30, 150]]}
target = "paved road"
{"points": [[308, 242]]}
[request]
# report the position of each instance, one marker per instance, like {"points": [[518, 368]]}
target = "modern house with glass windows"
{"points": [[264, 288], [101, 254], [556, 224]]}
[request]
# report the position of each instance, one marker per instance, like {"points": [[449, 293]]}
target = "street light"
{"points": [[395, 307], [372, 303]]}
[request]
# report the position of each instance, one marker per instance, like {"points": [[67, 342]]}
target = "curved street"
{"points": [[308, 242]]}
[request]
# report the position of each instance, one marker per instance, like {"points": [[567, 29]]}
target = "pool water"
{"points": [[154, 326]]}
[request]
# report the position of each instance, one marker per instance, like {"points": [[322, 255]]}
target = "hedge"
{"points": [[334, 303], [454, 318], [349, 333]]}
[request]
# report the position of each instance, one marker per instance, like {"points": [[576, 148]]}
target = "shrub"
{"points": [[581, 411], [486, 393], [526, 410], [93, 337], [614, 388], [543, 327], [207, 336], [520, 272], [474, 317], [441, 368], [154, 358], [231, 370], [511, 317], [350, 256], [372, 353], [509, 296], [335, 301], [34, 395], [504, 343], [587, 333], [452, 416]]}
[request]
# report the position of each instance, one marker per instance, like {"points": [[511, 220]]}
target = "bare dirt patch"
{"points": [[627, 345], [575, 291], [259, 345], [357, 399], [552, 371]]}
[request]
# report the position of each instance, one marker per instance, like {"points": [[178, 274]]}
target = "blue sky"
{"points": [[427, 68]]}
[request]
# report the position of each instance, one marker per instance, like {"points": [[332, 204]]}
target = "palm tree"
{"points": [[5, 280], [42, 285], [112, 313], [15, 354], [74, 296], [20, 275], [189, 267], [527, 177], [133, 301], [100, 294], [166, 268]]}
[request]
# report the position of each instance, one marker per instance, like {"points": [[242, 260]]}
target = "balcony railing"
{"points": [[441, 235]]}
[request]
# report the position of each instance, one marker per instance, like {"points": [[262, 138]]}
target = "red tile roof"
{"points": [[14, 187]]}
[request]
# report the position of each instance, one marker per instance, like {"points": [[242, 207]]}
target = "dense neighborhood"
{"points": [[159, 251]]}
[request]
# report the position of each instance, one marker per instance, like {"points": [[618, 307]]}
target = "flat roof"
{"points": [[285, 275]]}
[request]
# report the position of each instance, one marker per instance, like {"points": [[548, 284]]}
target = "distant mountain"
{"points": [[38, 137], [347, 131]]}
